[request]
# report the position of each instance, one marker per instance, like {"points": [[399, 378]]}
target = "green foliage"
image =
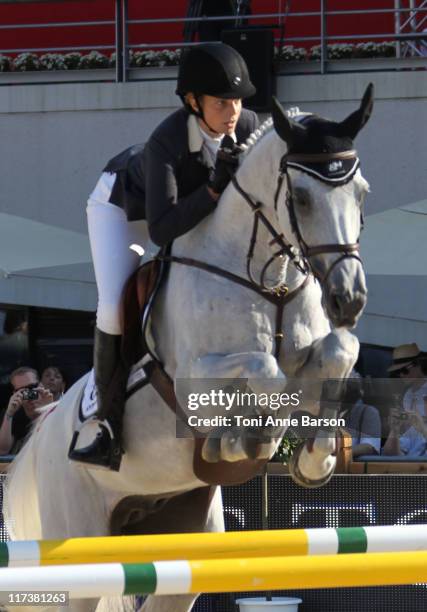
{"points": [[26, 61], [53, 61], [289, 53], [370, 49], [5, 63], [337, 51], [166, 57], [286, 447], [72, 60], [94, 59], [170, 57], [340, 51]]}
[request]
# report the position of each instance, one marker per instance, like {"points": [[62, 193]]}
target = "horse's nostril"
{"points": [[346, 306], [335, 303]]}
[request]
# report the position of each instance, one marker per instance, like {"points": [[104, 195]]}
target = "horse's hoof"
{"points": [[232, 447], [252, 447], [211, 450], [299, 478]]}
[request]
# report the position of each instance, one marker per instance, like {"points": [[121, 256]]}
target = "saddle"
{"points": [[138, 297], [137, 302]]}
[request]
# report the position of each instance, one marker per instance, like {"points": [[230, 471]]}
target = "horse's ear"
{"points": [[355, 122], [289, 131]]}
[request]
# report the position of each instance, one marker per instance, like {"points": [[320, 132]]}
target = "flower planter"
{"points": [[261, 604], [58, 76], [373, 64]]}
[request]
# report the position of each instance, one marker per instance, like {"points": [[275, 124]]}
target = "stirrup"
{"points": [[104, 452]]}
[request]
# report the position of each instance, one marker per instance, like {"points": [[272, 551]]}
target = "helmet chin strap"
{"points": [[201, 116]]}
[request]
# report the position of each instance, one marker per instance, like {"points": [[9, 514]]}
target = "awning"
{"points": [[27, 244], [394, 253], [47, 266], [394, 241], [44, 265]]}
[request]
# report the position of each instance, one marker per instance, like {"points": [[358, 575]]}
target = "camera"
{"points": [[30, 394]]}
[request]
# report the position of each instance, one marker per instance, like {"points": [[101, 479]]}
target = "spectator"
{"points": [[362, 421], [22, 410], [53, 380], [407, 429]]}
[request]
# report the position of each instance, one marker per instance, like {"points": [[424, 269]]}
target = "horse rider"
{"points": [[173, 182]]}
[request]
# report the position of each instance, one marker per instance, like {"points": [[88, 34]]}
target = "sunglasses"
{"points": [[407, 369]]}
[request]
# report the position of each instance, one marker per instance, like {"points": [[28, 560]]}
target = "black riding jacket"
{"points": [[165, 180]]}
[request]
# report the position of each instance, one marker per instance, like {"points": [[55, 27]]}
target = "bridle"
{"points": [[310, 163], [280, 295]]}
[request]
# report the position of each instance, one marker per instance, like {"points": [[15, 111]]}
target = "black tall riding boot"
{"points": [[110, 379]]}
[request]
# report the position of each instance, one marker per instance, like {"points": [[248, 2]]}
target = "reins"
{"points": [[280, 295], [302, 161]]}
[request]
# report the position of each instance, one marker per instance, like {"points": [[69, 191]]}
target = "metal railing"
{"points": [[416, 26], [410, 40]]}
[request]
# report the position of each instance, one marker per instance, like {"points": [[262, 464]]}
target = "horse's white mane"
{"points": [[256, 136]]}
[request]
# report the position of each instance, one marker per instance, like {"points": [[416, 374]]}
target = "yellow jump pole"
{"points": [[143, 549], [245, 544], [328, 571]]}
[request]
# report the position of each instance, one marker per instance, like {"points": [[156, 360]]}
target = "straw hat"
{"points": [[403, 356]]}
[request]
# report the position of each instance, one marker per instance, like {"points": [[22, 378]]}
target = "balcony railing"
{"points": [[409, 36]]}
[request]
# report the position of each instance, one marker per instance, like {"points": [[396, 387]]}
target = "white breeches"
{"points": [[111, 235]]}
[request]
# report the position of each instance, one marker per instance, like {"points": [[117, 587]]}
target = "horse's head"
{"points": [[323, 203]]}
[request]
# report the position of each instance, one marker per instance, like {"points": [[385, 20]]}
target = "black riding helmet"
{"points": [[214, 69]]}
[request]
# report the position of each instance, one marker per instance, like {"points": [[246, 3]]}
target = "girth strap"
{"points": [[162, 383], [221, 472], [159, 379]]}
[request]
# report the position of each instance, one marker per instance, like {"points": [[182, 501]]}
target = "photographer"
{"points": [[408, 425], [28, 396]]}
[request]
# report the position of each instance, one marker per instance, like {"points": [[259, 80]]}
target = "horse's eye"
{"points": [[302, 199]]}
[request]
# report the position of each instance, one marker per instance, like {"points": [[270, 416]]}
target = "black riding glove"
{"points": [[227, 162]]}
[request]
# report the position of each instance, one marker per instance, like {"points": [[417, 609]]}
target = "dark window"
{"points": [[62, 338], [14, 345], [42, 337]]}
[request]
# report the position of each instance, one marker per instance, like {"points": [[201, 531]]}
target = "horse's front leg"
{"points": [[331, 359], [233, 441], [212, 521]]}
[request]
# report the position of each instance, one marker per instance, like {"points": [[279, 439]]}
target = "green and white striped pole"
{"points": [[220, 575]]}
